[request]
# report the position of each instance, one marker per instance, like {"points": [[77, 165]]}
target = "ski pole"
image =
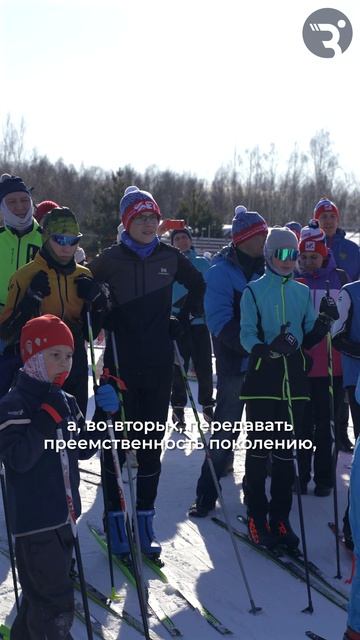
{"points": [[333, 442], [9, 538], [178, 360], [309, 608], [102, 462], [64, 461], [135, 552], [128, 467]]}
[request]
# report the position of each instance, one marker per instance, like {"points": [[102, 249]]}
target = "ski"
{"points": [[4, 632], [96, 625], [103, 601], [314, 636], [153, 603], [298, 557], [290, 566], [190, 599]]}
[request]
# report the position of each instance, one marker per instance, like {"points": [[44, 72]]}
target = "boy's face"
{"points": [[329, 222], [310, 261], [63, 253], [144, 226], [284, 267], [18, 203], [58, 360]]}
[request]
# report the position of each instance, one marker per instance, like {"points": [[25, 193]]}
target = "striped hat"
{"points": [[325, 205], [313, 239], [135, 202], [246, 224]]}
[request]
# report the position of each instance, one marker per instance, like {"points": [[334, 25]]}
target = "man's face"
{"points": [[18, 203], [253, 247], [329, 222], [182, 242], [144, 226]]}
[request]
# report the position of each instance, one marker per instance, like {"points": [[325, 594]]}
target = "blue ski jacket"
{"points": [[346, 254]]}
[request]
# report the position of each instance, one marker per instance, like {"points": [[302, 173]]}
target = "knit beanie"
{"points": [[135, 202], [43, 208], [246, 224], [42, 333], [62, 221], [313, 239], [295, 227], [325, 205], [11, 184], [185, 230], [279, 238]]}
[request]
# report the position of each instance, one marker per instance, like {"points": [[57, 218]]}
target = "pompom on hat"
{"points": [[313, 239], [246, 224], [43, 333], [135, 202], [43, 208], [325, 205]]}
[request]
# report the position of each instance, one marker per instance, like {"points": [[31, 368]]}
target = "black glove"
{"points": [[91, 291], [175, 328], [328, 308], [261, 350], [284, 344], [39, 286]]}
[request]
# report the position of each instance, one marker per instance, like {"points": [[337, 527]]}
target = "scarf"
{"points": [[15, 222], [141, 250]]}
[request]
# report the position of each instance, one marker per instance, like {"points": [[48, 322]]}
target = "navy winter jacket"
{"points": [[34, 480]]}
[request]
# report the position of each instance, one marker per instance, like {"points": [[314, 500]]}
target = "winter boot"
{"points": [[117, 533], [149, 545], [200, 508], [178, 418], [281, 528], [260, 533]]}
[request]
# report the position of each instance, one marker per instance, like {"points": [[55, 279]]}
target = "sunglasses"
{"points": [[286, 254], [64, 241]]}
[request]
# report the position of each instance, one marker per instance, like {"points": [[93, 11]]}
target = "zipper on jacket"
{"points": [[60, 295], [136, 280], [18, 254]]}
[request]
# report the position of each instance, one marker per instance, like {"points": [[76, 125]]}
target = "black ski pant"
{"points": [[229, 408], [146, 400], [77, 382], [194, 343], [282, 461], [47, 605], [316, 427]]}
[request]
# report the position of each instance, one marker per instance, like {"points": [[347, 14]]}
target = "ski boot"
{"points": [[149, 544], [281, 528], [208, 413], [117, 533], [200, 508], [260, 533]]}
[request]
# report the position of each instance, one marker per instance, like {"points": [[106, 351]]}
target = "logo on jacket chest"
{"points": [[163, 272]]}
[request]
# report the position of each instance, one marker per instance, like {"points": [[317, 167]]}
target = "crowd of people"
{"points": [[276, 306]]}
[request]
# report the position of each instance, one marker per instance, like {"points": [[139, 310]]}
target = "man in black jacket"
{"points": [[140, 272]]}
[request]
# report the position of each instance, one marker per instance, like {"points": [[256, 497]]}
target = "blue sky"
{"points": [[181, 85]]}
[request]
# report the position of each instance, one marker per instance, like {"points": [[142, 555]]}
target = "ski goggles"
{"points": [[64, 241], [286, 254]]}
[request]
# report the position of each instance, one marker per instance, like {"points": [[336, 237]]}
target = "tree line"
{"points": [[252, 178]]}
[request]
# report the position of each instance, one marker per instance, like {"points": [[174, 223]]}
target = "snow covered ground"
{"points": [[199, 556]]}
